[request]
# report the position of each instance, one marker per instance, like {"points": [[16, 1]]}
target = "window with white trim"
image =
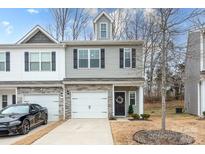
{"points": [[4, 101], [3, 61], [94, 58], [45, 61], [88, 58], [40, 61], [132, 97], [103, 30], [83, 58], [127, 57]]}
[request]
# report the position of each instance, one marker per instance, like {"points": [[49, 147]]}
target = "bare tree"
{"points": [[120, 17], [170, 22], [80, 22], [61, 18]]}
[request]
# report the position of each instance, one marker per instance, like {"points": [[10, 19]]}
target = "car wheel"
{"points": [[45, 121], [25, 128]]}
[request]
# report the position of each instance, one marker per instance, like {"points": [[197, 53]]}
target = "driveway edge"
{"points": [[37, 135]]}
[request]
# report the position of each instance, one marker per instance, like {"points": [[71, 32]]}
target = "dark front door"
{"points": [[120, 103]]}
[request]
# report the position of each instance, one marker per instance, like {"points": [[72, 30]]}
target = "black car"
{"points": [[20, 118]]}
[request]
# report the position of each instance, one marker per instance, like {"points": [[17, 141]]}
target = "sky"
{"points": [[15, 23]]}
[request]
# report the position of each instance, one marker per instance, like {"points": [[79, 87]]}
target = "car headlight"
{"points": [[14, 123]]}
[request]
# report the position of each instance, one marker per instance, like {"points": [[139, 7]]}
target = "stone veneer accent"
{"points": [[87, 88], [21, 91]]}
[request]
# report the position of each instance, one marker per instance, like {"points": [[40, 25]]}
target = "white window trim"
{"points": [[130, 51], [89, 59], [106, 30], [4, 62], [40, 61], [50, 54], [201, 51], [135, 97]]}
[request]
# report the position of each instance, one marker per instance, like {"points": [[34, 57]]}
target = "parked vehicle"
{"points": [[20, 118]]}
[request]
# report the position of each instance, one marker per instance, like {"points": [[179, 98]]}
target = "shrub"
{"points": [[145, 116], [136, 116], [130, 110], [204, 113]]}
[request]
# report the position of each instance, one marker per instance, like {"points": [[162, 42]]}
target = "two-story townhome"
{"points": [[195, 73], [74, 79]]}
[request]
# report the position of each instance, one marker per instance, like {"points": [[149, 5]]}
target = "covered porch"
{"points": [[127, 95]]}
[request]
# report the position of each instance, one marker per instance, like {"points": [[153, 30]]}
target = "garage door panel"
{"points": [[51, 102], [89, 105]]}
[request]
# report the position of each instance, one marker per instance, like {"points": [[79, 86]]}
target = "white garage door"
{"points": [[89, 104], [49, 101]]}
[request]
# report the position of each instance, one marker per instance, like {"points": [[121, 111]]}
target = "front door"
{"points": [[119, 103]]}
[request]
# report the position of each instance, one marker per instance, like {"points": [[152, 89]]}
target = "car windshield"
{"points": [[16, 110]]}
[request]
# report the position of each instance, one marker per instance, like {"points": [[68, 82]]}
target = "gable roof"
{"points": [[100, 15], [33, 33]]}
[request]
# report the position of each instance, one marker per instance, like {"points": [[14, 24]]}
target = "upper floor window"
{"points": [[127, 57], [2, 61], [46, 61], [40, 61], [103, 30], [83, 58], [89, 58], [94, 58]]}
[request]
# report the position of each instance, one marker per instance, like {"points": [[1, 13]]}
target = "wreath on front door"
{"points": [[119, 100]]}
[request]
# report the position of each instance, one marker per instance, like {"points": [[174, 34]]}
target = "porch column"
{"points": [[141, 100]]}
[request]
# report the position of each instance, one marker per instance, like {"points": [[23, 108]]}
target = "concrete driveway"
{"points": [[79, 131]]}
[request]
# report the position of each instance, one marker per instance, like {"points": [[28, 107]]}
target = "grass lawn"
{"points": [[123, 130]]}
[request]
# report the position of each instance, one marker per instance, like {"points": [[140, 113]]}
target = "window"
{"points": [[40, 61], [94, 58], [34, 62], [4, 101], [2, 61], [13, 99], [89, 58], [103, 30], [83, 58], [45, 61], [127, 57], [37, 106], [132, 98]]}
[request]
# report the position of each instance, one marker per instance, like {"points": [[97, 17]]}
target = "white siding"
{"points": [[17, 67]]}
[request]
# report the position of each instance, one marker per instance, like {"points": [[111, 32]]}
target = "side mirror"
{"points": [[32, 111]]}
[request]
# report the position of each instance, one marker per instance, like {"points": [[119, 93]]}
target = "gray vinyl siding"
{"points": [[112, 68], [39, 38], [105, 20], [192, 73]]}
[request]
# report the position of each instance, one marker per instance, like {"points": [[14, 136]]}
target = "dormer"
{"points": [[37, 35], [103, 26]]}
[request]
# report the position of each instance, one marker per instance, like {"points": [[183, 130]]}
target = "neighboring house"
{"points": [[195, 73], [74, 79]]}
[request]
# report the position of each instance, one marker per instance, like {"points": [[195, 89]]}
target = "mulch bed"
{"points": [[159, 137], [139, 119]]}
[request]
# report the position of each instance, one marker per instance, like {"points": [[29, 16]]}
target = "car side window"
{"points": [[37, 106], [32, 107]]}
